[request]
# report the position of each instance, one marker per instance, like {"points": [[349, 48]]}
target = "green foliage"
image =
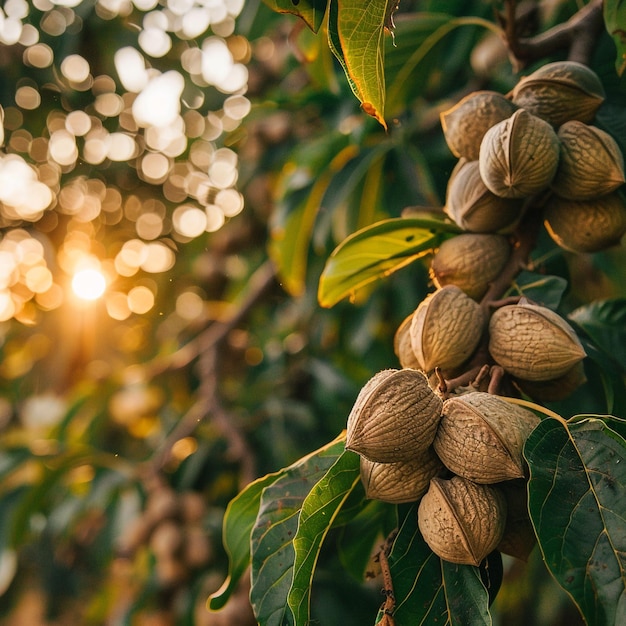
{"points": [[615, 18]]}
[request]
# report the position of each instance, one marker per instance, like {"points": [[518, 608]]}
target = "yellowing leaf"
{"points": [[311, 11]]}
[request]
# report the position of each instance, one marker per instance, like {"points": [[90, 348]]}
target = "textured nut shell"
{"points": [[446, 328], [394, 418], [519, 156], [532, 342], [469, 119], [555, 389], [404, 481], [519, 536], [587, 226], [402, 345], [461, 521], [473, 207], [560, 91], [481, 437], [591, 163], [470, 261]]}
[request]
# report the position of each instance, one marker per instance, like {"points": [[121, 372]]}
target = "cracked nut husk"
{"points": [[473, 207], [533, 342], [555, 389], [481, 437], [403, 481], [587, 226], [591, 163], [394, 418], [519, 537], [470, 261], [461, 521], [465, 124], [402, 345], [446, 329], [519, 156], [559, 92]]}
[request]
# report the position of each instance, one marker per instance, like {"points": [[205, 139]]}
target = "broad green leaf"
{"points": [[319, 510], [545, 290], [430, 591], [276, 525], [356, 33], [376, 251], [577, 504], [604, 321], [615, 22], [239, 518], [311, 11]]}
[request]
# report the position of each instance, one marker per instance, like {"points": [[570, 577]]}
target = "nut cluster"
{"points": [[539, 140], [171, 528]]}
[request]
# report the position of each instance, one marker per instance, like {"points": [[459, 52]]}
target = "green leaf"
{"points": [[577, 504], [615, 22], [604, 321], [356, 33], [318, 513], [375, 251], [311, 11], [545, 290], [430, 591], [272, 537], [239, 518]]}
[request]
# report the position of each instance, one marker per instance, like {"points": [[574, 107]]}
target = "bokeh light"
{"points": [[89, 284]]}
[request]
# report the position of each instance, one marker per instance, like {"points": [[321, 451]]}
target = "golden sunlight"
{"points": [[88, 284]]}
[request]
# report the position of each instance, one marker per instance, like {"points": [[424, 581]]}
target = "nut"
{"points": [[402, 344], [394, 418], [446, 329], [404, 481], [591, 163], [519, 156], [473, 207], [519, 536], [461, 521], [481, 437], [533, 342], [559, 92], [555, 389], [470, 261], [469, 119], [586, 226]]}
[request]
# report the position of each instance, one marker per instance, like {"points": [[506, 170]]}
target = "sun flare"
{"points": [[88, 284]]}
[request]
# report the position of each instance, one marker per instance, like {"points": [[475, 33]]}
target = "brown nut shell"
{"points": [[470, 261], [446, 329], [519, 536], [560, 91], [519, 156], [481, 437], [587, 226], [404, 481], [465, 124], [533, 342], [461, 521], [591, 163], [473, 207], [555, 389], [394, 418], [402, 345]]}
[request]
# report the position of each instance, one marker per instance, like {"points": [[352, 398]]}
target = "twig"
{"points": [[578, 35], [389, 605]]}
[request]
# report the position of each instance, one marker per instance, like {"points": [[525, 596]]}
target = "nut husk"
{"points": [[591, 163], [473, 207], [481, 437], [446, 329], [470, 261], [587, 226], [461, 521], [394, 418], [560, 91], [465, 124], [404, 481], [555, 389], [533, 342], [519, 156]]}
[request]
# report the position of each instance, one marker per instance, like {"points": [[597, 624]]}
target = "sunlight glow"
{"points": [[88, 284]]}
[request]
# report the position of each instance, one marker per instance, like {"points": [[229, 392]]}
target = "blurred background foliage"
{"points": [[206, 174]]}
